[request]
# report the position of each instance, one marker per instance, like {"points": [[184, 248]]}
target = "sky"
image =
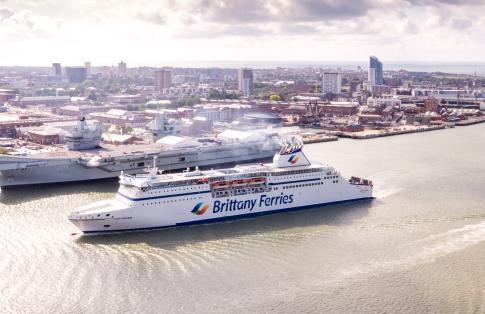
{"points": [[164, 32]]}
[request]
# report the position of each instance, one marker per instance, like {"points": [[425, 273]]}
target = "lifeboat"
{"points": [[203, 181], [257, 181], [220, 184], [239, 182]]}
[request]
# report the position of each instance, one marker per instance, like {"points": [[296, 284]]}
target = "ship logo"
{"points": [[200, 209], [293, 159]]}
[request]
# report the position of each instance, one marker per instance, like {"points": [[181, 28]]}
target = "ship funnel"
{"points": [[291, 155]]}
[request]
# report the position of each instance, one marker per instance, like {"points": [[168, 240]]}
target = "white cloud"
{"points": [[158, 32]]}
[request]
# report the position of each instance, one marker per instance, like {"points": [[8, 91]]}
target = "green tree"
{"points": [[274, 97]]}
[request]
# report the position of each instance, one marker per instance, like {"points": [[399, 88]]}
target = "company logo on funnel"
{"points": [[293, 159]]}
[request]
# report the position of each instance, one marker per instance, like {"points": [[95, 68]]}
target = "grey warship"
{"points": [[108, 161]]}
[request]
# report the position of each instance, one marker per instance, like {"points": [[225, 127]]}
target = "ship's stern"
{"points": [[363, 187]]}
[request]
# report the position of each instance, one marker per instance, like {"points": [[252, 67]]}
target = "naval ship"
{"points": [[157, 200], [108, 161]]}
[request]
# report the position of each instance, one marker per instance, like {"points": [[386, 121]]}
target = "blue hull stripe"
{"points": [[228, 218]]}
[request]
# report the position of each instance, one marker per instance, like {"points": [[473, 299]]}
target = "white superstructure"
{"points": [[84, 136], [156, 200]]}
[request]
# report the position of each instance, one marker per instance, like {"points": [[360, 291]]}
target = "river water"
{"points": [[418, 247]]}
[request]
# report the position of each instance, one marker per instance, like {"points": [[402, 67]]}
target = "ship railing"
{"points": [[360, 181], [238, 190]]}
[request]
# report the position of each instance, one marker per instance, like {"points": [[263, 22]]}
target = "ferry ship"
{"points": [[155, 200]]}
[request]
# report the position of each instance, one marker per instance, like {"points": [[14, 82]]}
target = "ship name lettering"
{"points": [[275, 200], [232, 205]]}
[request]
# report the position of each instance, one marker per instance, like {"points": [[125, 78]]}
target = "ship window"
{"points": [[141, 164]]}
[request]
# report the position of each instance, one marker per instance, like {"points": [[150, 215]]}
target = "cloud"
{"points": [[305, 10], [218, 31], [245, 28], [267, 11], [235, 11], [446, 2], [461, 24], [298, 28], [411, 28], [5, 13], [153, 17]]}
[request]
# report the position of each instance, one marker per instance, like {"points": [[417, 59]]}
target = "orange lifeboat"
{"points": [[239, 182], [220, 184], [257, 181], [203, 181]]}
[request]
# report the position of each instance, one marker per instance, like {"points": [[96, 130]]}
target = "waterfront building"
{"points": [[375, 71], [122, 118], [386, 101], [76, 74], [124, 99], [83, 111], [122, 67], [7, 94], [222, 111], [338, 108], [331, 82], [48, 101], [377, 90], [40, 136], [259, 120], [246, 81], [216, 83], [431, 104], [87, 65], [163, 79], [56, 67]]}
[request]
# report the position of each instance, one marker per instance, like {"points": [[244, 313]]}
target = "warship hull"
{"points": [[21, 171]]}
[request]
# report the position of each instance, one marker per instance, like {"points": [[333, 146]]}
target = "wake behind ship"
{"points": [[156, 200]]}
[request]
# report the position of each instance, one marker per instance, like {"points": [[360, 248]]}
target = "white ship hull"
{"points": [[198, 205], [153, 219]]}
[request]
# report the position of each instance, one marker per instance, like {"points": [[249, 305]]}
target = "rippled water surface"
{"points": [[418, 247]]}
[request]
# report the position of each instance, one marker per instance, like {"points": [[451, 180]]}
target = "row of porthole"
{"points": [[293, 177], [174, 190], [302, 185], [170, 201]]}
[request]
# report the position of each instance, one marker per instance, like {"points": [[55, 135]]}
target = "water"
{"points": [[418, 247]]}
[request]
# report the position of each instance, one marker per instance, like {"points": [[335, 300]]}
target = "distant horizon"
{"points": [[452, 67]]}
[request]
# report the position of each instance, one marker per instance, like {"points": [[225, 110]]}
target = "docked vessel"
{"points": [[172, 153], [155, 200], [84, 136], [162, 126]]}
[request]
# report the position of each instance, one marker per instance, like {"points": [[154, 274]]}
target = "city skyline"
{"points": [[155, 33]]}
